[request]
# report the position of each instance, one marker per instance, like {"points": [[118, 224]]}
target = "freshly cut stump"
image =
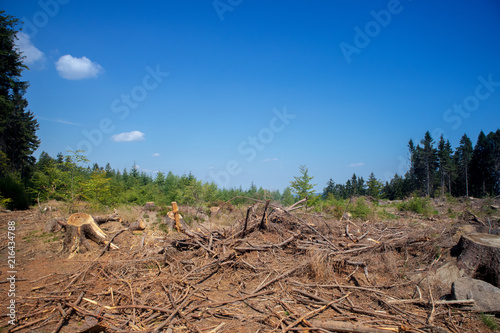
{"points": [[479, 256], [81, 227]]}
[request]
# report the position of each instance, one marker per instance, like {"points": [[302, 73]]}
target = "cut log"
{"points": [[107, 218], [341, 326], [55, 224], [137, 225], [79, 228], [170, 221], [479, 255]]}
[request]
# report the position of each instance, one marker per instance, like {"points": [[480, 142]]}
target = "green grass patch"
{"points": [[489, 320], [385, 215]]}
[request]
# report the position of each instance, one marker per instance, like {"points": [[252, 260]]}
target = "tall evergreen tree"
{"points": [[482, 167], [429, 161], [374, 186], [445, 162], [18, 125], [411, 174], [464, 156], [330, 188], [494, 138]]}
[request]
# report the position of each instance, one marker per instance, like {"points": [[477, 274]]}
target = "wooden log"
{"points": [[341, 326], [479, 255], [137, 225], [107, 218], [175, 209], [55, 224], [263, 222]]}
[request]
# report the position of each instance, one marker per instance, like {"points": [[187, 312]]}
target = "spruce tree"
{"points": [[464, 156], [429, 160], [301, 185], [18, 125]]}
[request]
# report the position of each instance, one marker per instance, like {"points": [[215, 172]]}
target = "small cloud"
{"points": [[32, 54], [128, 136], [270, 159], [72, 68], [356, 165], [156, 154]]}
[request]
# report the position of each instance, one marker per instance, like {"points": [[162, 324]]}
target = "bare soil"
{"points": [[300, 271]]}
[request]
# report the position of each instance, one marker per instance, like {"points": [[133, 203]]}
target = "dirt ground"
{"points": [[299, 272]]}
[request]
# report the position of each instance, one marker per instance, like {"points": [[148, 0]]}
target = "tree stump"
{"points": [[479, 255], [79, 228]]}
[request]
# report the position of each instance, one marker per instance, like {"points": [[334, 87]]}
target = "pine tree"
{"points": [[445, 162], [374, 186], [18, 126], [482, 167], [494, 138], [464, 156], [429, 161]]}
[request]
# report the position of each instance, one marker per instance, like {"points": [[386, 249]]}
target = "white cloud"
{"points": [[270, 159], [156, 154], [128, 136], [72, 68], [32, 54], [356, 165]]}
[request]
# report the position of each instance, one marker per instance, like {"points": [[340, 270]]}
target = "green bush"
{"points": [[13, 194], [332, 205], [416, 204], [361, 209]]}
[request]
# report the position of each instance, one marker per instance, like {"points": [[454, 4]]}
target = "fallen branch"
{"points": [[68, 314], [290, 272], [341, 326], [307, 316]]}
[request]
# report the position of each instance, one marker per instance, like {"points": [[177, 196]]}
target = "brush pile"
{"points": [[273, 270]]}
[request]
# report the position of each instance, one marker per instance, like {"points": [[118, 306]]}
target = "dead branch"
{"points": [[68, 314], [341, 326]]}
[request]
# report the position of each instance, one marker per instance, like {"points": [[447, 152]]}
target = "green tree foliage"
{"points": [[374, 186], [18, 125], [483, 175], [463, 158], [287, 198], [427, 155], [301, 185]]}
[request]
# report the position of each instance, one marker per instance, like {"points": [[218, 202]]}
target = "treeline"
{"points": [[436, 169], [66, 178]]}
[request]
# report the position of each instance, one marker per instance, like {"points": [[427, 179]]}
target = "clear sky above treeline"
{"points": [[240, 91]]}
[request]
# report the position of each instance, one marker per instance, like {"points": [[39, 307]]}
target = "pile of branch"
{"points": [[273, 270]]}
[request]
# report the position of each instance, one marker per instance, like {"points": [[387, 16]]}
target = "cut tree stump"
{"points": [[479, 255], [79, 228]]}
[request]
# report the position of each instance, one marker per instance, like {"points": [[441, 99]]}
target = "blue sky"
{"points": [[237, 91]]}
